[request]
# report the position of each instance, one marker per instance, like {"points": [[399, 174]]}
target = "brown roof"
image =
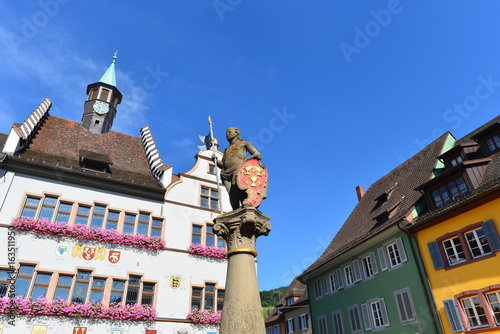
{"points": [[296, 288], [60, 143], [398, 188]]}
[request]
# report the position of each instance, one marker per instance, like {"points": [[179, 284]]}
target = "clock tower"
{"points": [[102, 98]]}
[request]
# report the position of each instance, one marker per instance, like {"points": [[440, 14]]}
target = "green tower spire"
{"points": [[109, 77]]}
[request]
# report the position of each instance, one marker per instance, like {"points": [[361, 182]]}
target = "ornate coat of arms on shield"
{"points": [[253, 178]]}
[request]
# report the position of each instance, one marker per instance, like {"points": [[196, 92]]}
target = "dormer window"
{"points": [[455, 161], [289, 301], [489, 139], [449, 192], [95, 161], [493, 143]]}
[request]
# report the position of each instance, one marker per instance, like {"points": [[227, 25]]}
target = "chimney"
{"points": [[360, 192]]}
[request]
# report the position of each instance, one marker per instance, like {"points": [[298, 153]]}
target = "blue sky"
{"points": [[334, 94]]}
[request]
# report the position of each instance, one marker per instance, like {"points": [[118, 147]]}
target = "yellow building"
{"points": [[458, 238]]}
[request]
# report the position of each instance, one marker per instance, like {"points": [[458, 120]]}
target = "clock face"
{"points": [[101, 108]]}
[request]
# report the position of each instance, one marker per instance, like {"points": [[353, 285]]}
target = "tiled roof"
{"points": [[400, 186], [294, 289], [60, 142]]}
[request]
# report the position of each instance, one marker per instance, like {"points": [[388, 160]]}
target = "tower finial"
{"points": [[109, 77]]}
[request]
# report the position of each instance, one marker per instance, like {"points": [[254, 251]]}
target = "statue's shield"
{"points": [[253, 178]]}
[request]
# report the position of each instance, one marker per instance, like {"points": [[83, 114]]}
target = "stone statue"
{"points": [[244, 178]]}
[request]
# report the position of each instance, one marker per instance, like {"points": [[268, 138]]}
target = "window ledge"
{"points": [[466, 262]]}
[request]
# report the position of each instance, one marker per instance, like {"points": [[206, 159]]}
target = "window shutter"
{"points": [[357, 270], [326, 286], [385, 317], [437, 259], [401, 249], [453, 316], [382, 255], [339, 275], [366, 316], [293, 325], [491, 235], [374, 263]]}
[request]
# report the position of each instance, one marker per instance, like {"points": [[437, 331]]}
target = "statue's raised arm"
{"points": [[245, 178]]}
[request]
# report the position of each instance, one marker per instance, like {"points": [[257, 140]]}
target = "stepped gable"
{"points": [[398, 188], [61, 143]]}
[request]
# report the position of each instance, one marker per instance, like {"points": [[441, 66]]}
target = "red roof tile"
{"points": [[59, 143]]}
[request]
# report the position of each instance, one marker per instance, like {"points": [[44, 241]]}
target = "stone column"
{"points": [[242, 312]]}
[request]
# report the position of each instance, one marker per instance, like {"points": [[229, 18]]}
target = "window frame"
{"points": [[69, 286], [116, 291], [322, 324], [355, 322], [290, 325], [348, 271], [375, 321], [439, 255], [209, 198], [318, 288], [368, 261], [217, 300], [97, 289], [338, 324], [446, 184], [476, 305], [406, 311], [460, 319], [303, 321], [492, 141], [41, 284], [386, 262]]}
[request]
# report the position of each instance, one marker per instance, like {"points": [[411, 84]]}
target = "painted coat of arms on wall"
{"points": [[88, 253]]}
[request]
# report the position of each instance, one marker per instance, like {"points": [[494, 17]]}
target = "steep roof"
{"points": [[109, 77], [60, 143], [385, 203]]}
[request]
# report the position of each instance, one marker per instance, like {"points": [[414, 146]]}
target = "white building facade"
{"points": [[110, 241]]}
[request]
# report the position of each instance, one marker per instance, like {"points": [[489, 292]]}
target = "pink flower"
{"points": [[210, 251], [205, 317], [63, 308], [82, 232]]}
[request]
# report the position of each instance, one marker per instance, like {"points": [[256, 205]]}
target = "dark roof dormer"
{"points": [[103, 98], [489, 139], [459, 153], [465, 166]]}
